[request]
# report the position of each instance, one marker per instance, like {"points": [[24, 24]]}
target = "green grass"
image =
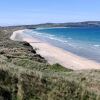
{"points": [[23, 84], [58, 68]]}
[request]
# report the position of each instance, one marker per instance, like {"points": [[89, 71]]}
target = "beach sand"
{"points": [[54, 54]]}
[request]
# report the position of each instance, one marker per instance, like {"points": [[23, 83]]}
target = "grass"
{"points": [[36, 85], [58, 68]]}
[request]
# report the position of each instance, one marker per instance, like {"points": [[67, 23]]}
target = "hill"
{"points": [[70, 24]]}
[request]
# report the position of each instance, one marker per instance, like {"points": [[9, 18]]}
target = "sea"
{"points": [[82, 41]]}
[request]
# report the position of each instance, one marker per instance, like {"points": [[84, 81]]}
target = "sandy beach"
{"points": [[54, 54]]}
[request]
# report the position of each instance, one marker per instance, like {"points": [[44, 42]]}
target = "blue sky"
{"points": [[14, 12]]}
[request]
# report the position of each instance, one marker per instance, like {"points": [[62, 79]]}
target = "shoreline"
{"points": [[54, 54]]}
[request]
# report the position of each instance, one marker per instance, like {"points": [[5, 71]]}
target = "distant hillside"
{"points": [[71, 24]]}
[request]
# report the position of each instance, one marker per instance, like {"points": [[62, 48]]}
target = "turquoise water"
{"points": [[81, 41]]}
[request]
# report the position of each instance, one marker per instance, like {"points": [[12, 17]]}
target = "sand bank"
{"points": [[54, 54]]}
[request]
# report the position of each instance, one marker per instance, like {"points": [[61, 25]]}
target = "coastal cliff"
{"points": [[25, 75]]}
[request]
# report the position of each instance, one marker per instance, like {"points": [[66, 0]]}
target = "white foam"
{"points": [[49, 36], [50, 28], [96, 45]]}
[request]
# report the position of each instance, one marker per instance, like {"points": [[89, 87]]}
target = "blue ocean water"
{"points": [[81, 41]]}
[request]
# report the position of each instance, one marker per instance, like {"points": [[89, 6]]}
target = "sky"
{"points": [[16, 12]]}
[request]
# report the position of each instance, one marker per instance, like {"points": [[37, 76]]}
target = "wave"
{"points": [[96, 45], [49, 36], [51, 28], [66, 41]]}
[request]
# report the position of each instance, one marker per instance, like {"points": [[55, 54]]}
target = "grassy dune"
{"points": [[25, 75]]}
